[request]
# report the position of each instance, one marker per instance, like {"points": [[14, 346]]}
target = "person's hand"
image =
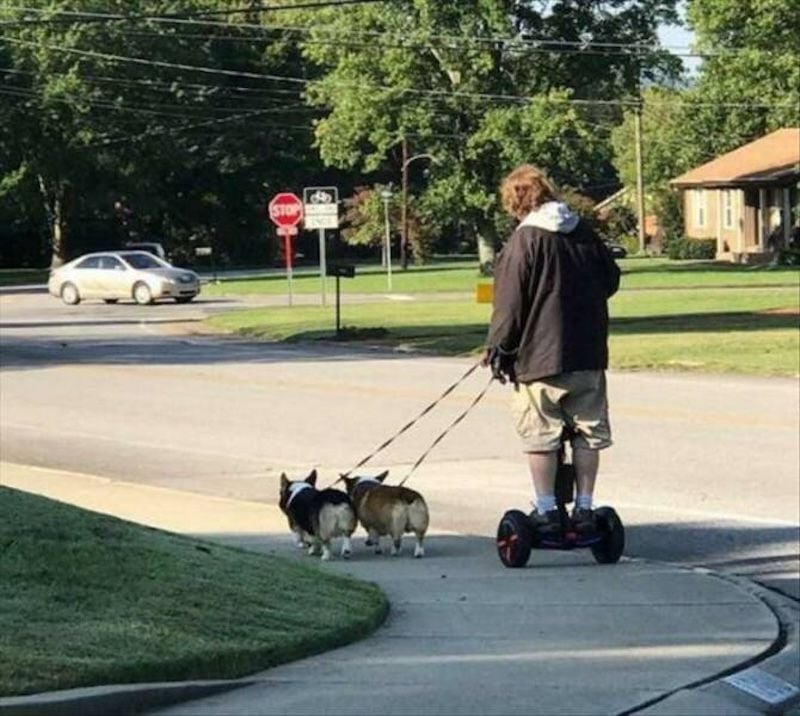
{"points": [[487, 357], [501, 364]]}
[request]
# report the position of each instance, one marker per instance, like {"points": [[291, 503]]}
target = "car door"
{"points": [[85, 276], [115, 278]]}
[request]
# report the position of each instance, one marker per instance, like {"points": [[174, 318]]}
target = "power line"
{"points": [[76, 16], [148, 108], [386, 88], [580, 46], [185, 128], [166, 85]]}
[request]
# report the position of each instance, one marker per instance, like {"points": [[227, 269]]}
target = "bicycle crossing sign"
{"points": [[321, 207]]}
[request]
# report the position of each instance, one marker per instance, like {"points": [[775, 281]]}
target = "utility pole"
{"points": [[637, 119], [404, 210]]}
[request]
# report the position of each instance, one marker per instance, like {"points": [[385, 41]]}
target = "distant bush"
{"points": [[630, 242], [789, 257], [686, 248]]}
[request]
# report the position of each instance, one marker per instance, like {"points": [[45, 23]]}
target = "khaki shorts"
{"points": [[541, 410]]}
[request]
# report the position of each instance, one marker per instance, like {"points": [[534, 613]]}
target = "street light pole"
{"points": [[404, 219], [404, 236], [386, 195]]}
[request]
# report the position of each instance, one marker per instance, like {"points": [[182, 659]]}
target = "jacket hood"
{"points": [[552, 216]]}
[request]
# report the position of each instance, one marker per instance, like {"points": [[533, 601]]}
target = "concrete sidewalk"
{"points": [[467, 636]]}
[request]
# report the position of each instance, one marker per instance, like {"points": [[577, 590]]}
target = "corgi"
{"points": [[317, 516], [388, 510]]}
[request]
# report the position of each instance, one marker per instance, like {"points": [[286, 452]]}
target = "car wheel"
{"points": [[183, 299], [110, 300], [70, 295], [142, 294]]}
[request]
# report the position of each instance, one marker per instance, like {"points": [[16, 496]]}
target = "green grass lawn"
{"points": [[462, 276], [90, 599], [752, 330], [23, 277]]}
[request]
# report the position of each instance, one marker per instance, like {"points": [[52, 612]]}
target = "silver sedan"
{"points": [[115, 275]]}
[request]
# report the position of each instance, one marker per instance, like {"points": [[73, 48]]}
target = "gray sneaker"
{"points": [[547, 523], [582, 520]]}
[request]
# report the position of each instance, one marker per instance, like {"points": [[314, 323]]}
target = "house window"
{"points": [[727, 208], [699, 207]]}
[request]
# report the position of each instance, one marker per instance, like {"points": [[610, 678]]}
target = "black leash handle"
{"points": [[448, 429], [409, 424]]}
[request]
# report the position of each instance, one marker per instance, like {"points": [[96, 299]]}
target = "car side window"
{"points": [[111, 262], [91, 262]]}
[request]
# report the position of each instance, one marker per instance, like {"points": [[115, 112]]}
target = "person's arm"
{"points": [[511, 300], [611, 272]]}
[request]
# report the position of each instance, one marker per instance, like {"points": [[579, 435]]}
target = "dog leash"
{"points": [[448, 429], [409, 424]]}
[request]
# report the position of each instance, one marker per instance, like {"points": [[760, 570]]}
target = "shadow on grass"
{"points": [[312, 272], [700, 266], [704, 323], [470, 337]]}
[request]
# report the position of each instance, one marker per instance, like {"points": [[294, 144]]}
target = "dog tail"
{"points": [[417, 516], [337, 521]]}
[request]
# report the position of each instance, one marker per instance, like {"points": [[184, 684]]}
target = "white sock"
{"points": [[545, 503], [583, 502]]}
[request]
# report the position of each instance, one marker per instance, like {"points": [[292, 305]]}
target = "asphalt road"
{"points": [[704, 470]]}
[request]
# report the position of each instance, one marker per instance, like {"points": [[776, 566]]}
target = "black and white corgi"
{"points": [[388, 510], [317, 516]]}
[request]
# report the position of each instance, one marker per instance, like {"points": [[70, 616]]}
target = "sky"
{"points": [[679, 36]]}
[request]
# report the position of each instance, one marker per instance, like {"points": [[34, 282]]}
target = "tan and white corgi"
{"points": [[388, 510], [317, 516]]}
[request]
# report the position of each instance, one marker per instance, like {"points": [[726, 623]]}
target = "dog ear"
{"points": [[348, 481], [284, 481], [312, 478], [382, 476]]}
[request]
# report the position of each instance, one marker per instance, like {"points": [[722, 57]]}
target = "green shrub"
{"points": [[630, 242], [789, 257], [686, 248]]}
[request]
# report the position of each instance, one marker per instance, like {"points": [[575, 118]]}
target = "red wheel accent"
{"points": [[514, 539]]}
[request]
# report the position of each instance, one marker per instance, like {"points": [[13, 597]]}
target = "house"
{"points": [[626, 198], [744, 198]]}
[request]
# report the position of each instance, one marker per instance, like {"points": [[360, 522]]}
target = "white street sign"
{"points": [[321, 207]]}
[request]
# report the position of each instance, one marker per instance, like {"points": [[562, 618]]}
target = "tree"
{"points": [[747, 87], [749, 80], [455, 78], [111, 112], [666, 153]]}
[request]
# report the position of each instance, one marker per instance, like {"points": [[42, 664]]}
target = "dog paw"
{"points": [[419, 552]]}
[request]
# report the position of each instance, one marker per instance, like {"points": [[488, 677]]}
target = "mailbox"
{"points": [[342, 270]]}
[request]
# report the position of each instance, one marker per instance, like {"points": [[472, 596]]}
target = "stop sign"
{"points": [[286, 209]]}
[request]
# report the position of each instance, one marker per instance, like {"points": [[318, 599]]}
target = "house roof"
{"points": [[616, 197], [767, 160]]}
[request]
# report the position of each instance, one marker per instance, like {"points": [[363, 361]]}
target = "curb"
{"points": [[116, 700], [771, 671]]}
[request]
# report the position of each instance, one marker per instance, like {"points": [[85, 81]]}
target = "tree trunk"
{"points": [[54, 208], [487, 249]]}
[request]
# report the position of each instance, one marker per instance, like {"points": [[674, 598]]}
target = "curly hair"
{"points": [[525, 189]]}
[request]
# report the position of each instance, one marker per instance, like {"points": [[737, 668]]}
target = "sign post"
{"points": [[346, 271], [288, 233], [286, 212], [321, 210]]}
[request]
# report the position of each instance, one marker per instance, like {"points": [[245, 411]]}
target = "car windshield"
{"points": [[141, 260]]}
